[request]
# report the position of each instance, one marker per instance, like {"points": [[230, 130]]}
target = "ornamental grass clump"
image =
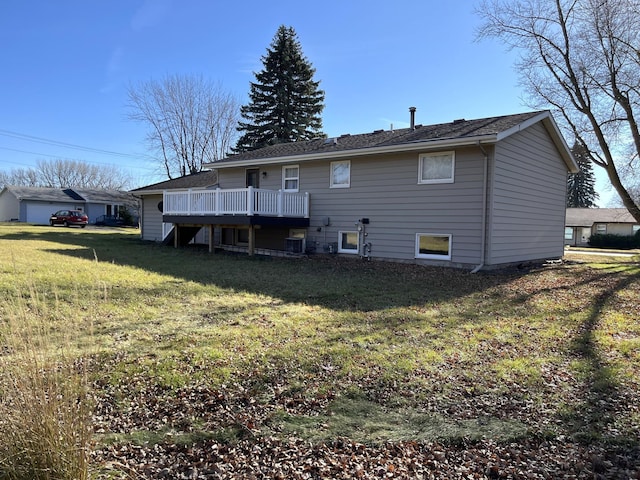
{"points": [[45, 413]]}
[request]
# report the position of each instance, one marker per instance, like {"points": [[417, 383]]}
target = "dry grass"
{"points": [[45, 413]]}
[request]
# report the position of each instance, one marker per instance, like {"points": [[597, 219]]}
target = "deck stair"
{"points": [[186, 235]]}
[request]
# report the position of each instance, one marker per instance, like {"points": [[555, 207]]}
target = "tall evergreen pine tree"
{"points": [[285, 102], [581, 191]]}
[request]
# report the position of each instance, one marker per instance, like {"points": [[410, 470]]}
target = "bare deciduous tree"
{"points": [[582, 59], [191, 121], [61, 173], [75, 173], [25, 177]]}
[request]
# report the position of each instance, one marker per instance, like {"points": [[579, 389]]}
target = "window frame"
{"points": [[285, 178], [601, 228], [432, 256], [421, 159], [348, 250], [332, 183], [568, 233]]}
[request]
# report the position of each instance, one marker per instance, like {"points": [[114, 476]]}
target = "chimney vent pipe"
{"points": [[412, 112]]}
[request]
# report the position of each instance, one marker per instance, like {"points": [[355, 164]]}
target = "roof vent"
{"points": [[459, 120], [330, 141], [412, 113]]}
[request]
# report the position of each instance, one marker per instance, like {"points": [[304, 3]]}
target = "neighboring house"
{"points": [[471, 193], [35, 204], [581, 223]]}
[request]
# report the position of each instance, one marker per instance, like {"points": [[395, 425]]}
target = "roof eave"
{"points": [[147, 192], [406, 147]]}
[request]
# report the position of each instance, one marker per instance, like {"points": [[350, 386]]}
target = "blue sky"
{"points": [[67, 64]]}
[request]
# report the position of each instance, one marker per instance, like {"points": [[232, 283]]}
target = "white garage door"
{"points": [[39, 213]]}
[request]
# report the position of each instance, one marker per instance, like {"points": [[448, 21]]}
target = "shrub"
{"points": [[608, 240]]}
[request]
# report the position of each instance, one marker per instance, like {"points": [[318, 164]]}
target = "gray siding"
{"points": [[385, 189], [9, 207], [528, 196], [151, 225]]}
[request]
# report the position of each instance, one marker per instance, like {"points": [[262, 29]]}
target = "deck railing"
{"points": [[238, 201]]}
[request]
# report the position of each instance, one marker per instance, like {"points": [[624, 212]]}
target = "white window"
{"points": [[435, 246], [568, 233], [436, 167], [601, 228], [348, 242], [340, 174], [290, 178]]}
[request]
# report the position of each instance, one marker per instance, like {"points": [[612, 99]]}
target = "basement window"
{"points": [[348, 242], [434, 246]]}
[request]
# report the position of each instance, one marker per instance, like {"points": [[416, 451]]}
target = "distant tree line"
{"points": [[61, 173]]}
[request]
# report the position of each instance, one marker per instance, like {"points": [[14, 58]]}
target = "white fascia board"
{"points": [[523, 126], [405, 147], [147, 192]]}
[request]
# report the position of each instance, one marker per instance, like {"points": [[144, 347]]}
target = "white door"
{"points": [[39, 213]]}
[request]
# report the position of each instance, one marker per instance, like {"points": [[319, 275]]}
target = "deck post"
{"points": [[176, 231], [306, 205], [250, 200], [252, 240], [280, 203], [212, 248]]}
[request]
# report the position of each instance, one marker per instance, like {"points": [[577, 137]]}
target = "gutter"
{"points": [[485, 188]]}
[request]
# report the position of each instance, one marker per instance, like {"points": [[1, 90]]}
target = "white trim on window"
{"points": [[436, 167], [437, 245], [290, 178], [348, 241], [340, 174]]}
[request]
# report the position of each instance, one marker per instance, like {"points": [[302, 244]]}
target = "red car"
{"points": [[68, 218]]}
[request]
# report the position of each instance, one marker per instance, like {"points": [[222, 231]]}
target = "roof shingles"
{"points": [[458, 129]]}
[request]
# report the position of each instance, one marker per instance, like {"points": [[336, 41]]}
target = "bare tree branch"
{"points": [[191, 121], [61, 173], [582, 59]]}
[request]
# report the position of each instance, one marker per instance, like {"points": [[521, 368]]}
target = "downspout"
{"points": [[485, 188]]}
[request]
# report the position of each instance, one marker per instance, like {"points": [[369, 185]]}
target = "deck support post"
{"points": [[176, 233], [212, 248], [252, 240]]}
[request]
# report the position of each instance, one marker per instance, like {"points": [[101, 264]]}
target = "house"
{"points": [[36, 204], [581, 223], [470, 193]]}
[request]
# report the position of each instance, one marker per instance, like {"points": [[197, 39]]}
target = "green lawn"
{"points": [[182, 346]]}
